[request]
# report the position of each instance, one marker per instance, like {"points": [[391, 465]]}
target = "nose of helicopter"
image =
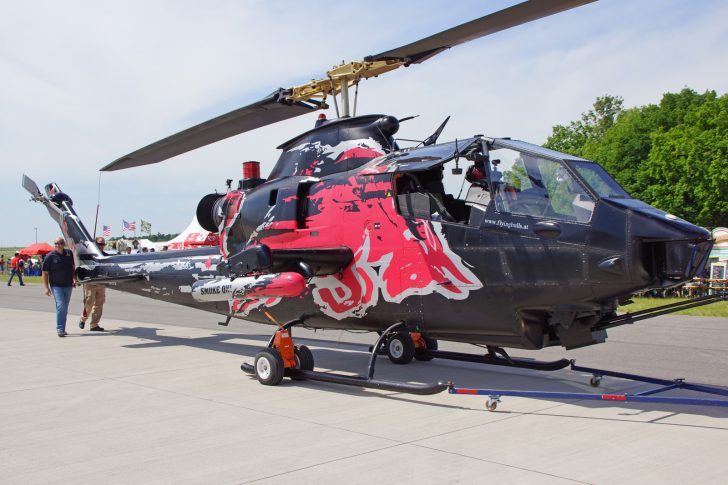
{"points": [[677, 261], [672, 250]]}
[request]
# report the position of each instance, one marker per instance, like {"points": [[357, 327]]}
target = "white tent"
{"points": [[192, 237], [720, 248]]}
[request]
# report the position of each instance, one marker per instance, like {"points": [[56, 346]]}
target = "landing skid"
{"points": [[401, 346], [281, 358], [371, 383], [497, 356]]}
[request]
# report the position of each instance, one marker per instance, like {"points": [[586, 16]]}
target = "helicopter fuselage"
{"points": [[540, 249]]}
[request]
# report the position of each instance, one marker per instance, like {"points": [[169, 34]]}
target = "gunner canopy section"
{"points": [[532, 181]]}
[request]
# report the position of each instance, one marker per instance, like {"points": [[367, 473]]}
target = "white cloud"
{"points": [[86, 82]]}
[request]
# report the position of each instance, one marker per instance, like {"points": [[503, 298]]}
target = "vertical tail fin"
{"points": [[60, 208]]}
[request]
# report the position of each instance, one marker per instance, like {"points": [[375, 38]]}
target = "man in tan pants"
{"points": [[94, 297]]}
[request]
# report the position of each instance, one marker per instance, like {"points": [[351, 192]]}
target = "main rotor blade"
{"points": [[270, 109], [423, 49]]}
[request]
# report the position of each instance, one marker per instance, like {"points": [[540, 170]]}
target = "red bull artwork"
{"points": [[393, 257]]}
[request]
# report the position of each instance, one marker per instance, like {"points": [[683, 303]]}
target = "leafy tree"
{"points": [[687, 168], [673, 155], [590, 129], [625, 146], [162, 237]]}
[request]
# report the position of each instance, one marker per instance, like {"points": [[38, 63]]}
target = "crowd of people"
{"points": [[20, 265], [122, 246]]}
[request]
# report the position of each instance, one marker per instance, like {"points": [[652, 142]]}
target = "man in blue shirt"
{"points": [[59, 278]]}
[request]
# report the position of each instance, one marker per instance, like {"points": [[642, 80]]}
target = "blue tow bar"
{"points": [[494, 395]]}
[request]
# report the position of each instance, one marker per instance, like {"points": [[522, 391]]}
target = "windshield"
{"points": [[532, 185], [599, 180]]}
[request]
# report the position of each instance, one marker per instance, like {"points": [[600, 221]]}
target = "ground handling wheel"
{"points": [[269, 367], [304, 360], [400, 348]]}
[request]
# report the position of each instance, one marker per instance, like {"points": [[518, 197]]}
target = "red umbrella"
{"points": [[36, 249]]}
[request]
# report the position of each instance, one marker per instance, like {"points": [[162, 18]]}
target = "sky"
{"points": [[83, 83]]}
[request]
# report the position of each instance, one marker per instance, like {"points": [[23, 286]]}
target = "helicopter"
{"points": [[490, 241]]}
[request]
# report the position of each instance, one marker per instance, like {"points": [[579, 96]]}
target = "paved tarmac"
{"points": [[160, 398]]}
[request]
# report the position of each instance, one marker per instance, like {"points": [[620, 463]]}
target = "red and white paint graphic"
{"points": [[391, 256], [244, 307], [327, 154]]}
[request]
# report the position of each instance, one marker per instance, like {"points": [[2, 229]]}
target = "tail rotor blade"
{"points": [[30, 185]]}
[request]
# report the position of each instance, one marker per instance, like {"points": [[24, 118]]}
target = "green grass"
{"points": [[719, 309], [9, 252], [26, 279]]}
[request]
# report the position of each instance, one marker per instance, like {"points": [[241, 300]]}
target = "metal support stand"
{"points": [[494, 395], [285, 326]]}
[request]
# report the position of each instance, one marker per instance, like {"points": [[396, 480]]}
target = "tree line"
{"points": [[673, 155], [158, 237]]}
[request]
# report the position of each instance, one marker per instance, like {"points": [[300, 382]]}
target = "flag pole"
{"points": [[98, 204]]}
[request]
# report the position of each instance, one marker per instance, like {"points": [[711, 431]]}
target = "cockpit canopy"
{"points": [[518, 177], [531, 180]]}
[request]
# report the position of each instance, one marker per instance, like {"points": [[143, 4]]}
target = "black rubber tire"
{"points": [[304, 360], [269, 367], [400, 348], [431, 344]]}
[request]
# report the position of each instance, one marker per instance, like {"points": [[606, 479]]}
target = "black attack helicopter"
{"points": [[533, 248]]}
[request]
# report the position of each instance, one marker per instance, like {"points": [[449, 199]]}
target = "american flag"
{"points": [[128, 226], [107, 231]]}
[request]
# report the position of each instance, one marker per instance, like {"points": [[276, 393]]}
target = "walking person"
{"points": [[59, 278], [2, 264], [94, 297], [16, 269]]}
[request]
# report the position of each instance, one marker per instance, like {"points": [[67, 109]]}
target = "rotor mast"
{"points": [[340, 78]]}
